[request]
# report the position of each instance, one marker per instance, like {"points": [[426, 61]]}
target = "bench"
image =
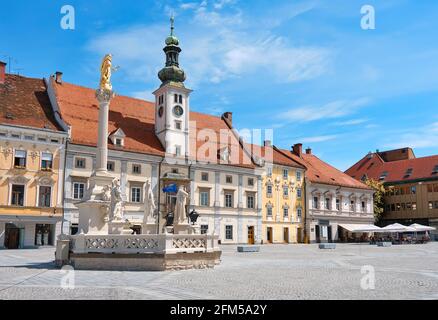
{"points": [[248, 248], [327, 245]]}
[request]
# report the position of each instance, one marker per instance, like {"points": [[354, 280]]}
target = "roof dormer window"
{"points": [[118, 138]]}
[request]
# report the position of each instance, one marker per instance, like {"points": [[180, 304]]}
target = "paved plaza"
{"points": [[276, 272]]}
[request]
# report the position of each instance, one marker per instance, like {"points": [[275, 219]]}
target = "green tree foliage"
{"points": [[379, 193]]}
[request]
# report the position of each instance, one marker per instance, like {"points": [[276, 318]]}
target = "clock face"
{"points": [[178, 111], [160, 112]]}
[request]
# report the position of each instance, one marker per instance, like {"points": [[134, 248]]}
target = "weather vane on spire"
{"points": [[172, 20]]}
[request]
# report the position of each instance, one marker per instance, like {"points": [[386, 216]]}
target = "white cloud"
{"points": [[335, 109], [350, 122], [215, 46], [425, 137], [189, 5], [316, 139]]}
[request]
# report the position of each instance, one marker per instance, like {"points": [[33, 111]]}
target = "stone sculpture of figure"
{"points": [[106, 196], [149, 202], [116, 200], [180, 207], [105, 73]]}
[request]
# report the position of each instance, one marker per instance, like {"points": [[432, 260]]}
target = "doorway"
{"points": [[286, 235], [251, 239], [12, 236], [329, 233], [299, 235], [317, 234], [269, 235]]}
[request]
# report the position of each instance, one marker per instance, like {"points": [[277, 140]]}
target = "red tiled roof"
{"points": [[373, 166], [277, 156], [136, 117], [24, 101], [319, 171]]}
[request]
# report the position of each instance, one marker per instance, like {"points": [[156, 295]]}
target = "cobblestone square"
{"points": [[276, 272]]}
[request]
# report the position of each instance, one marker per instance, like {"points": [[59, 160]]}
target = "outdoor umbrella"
{"points": [[420, 227]]}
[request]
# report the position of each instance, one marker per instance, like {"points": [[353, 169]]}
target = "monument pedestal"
{"points": [[119, 227], [94, 211], [181, 228], [149, 228], [195, 229]]}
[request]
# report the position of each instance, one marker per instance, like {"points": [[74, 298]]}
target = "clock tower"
{"points": [[172, 106]]}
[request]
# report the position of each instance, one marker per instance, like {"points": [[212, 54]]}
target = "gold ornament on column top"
{"points": [[105, 73]]}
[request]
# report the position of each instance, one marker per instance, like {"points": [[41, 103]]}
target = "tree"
{"points": [[379, 193]]}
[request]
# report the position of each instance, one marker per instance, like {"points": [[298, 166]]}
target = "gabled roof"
{"points": [[372, 166], [319, 171], [136, 117], [274, 155], [24, 102]]}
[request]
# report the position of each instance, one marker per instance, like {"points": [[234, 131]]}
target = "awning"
{"points": [[420, 227], [360, 227], [397, 227]]}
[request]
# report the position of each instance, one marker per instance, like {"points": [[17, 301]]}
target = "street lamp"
{"points": [[193, 215]]}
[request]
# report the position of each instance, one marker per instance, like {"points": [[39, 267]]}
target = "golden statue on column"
{"points": [[105, 73]]}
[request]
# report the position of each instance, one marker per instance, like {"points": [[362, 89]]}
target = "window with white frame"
{"points": [[44, 196], [136, 168], [269, 172], [80, 163], [229, 232], [315, 203], [136, 194], [338, 204], [363, 206], [110, 165], [17, 195], [352, 205], [285, 212], [298, 192], [178, 125], [228, 199], [20, 159], [299, 213], [327, 204], [250, 182], [285, 173], [177, 151], [250, 201], [204, 198], [229, 179], [269, 190], [285, 191], [269, 211], [204, 176], [78, 190], [298, 175], [46, 161]]}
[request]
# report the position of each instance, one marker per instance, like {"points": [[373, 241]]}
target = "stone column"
{"points": [[104, 97]]}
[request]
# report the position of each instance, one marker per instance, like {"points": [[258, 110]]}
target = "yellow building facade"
{"points": [[283, 200], [32, 152]]}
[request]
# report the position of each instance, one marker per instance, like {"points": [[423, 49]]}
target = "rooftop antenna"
{"points": [[10, 60]]}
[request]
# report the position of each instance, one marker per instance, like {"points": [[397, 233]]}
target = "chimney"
{"points": [[267, 143], [297, 149], [228, 116], [58, 77], [2, 72], [308, 151]]}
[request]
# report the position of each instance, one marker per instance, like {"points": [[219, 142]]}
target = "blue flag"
{"points": [[170, 188]]}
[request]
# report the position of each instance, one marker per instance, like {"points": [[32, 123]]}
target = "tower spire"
{"points": [[172, 72]]}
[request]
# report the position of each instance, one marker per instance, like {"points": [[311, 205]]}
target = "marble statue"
{"points": [[180, 207], [116, 200], [105, 73], [149, 202]]}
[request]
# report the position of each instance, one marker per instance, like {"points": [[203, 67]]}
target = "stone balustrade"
{"points": [[143, 243]]}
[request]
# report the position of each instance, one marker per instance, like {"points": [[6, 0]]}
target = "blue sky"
{"points": [[305, 68]]}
